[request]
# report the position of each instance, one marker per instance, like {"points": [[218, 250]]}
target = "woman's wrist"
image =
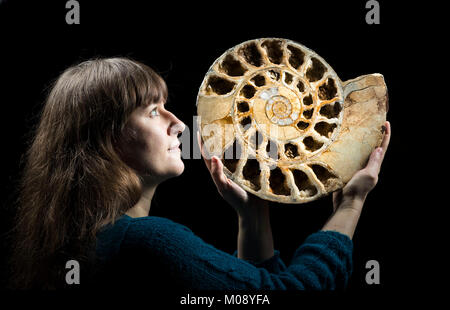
{"points": [[254, 217], [346, 216], [255, 241], [351, 202], [253, 208]]}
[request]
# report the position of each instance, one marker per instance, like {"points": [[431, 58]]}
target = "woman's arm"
{"points": [[349, 201], [255, 241], [345, 218]]}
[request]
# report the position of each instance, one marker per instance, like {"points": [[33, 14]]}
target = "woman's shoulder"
{"points": [[151, 229], [140, 232], [127, 223], [153, 223]]}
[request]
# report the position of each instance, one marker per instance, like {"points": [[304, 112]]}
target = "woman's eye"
{"points": [[154, 112]]}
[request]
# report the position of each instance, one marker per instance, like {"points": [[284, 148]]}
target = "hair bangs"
{"points": [[150, 87]]}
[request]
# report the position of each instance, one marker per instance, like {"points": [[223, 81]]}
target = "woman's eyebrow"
{"points": [[162, 101], [151, 104]]}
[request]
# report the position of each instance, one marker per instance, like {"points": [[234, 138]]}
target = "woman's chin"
{"points": [[176, 169], [180, 168]]}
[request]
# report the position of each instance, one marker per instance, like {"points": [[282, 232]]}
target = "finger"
{"points": [[203, 151], [222, 180], [229, 190], [376, 158], [374, 164], [219, 177], [387, 137]]}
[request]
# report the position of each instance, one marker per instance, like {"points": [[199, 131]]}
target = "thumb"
{"points": [[374, 164]]}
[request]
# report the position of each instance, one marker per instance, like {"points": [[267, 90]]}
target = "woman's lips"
{"points": [[175, 147]]}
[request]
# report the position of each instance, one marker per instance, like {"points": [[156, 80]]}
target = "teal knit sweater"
{"points": [[158, 253]]}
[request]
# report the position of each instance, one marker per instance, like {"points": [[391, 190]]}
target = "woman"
{"points": [[104, 142]]}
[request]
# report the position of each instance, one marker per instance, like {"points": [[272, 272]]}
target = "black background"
{"points": [[181, 41]]}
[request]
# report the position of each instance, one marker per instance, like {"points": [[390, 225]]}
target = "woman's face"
{"points": [[150, 143]]}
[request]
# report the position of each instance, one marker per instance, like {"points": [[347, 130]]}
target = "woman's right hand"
{"points": [[255, 241], [245, 204]]}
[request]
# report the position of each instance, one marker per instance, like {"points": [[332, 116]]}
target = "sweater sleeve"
{"points": [[323, 262], [273, 264]]}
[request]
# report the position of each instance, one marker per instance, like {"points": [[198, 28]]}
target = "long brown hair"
{"points": [[74, 181]]}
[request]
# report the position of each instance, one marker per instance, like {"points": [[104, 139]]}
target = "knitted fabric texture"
{"points": [[160, 253]]}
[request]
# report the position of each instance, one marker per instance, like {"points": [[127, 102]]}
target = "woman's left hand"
{"points": [[245, 204], [364, 180]]}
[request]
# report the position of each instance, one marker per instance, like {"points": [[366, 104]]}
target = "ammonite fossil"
{"points": [[285, 126]]}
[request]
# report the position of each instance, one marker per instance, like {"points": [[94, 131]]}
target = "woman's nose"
{"points": [[177, 126]]}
